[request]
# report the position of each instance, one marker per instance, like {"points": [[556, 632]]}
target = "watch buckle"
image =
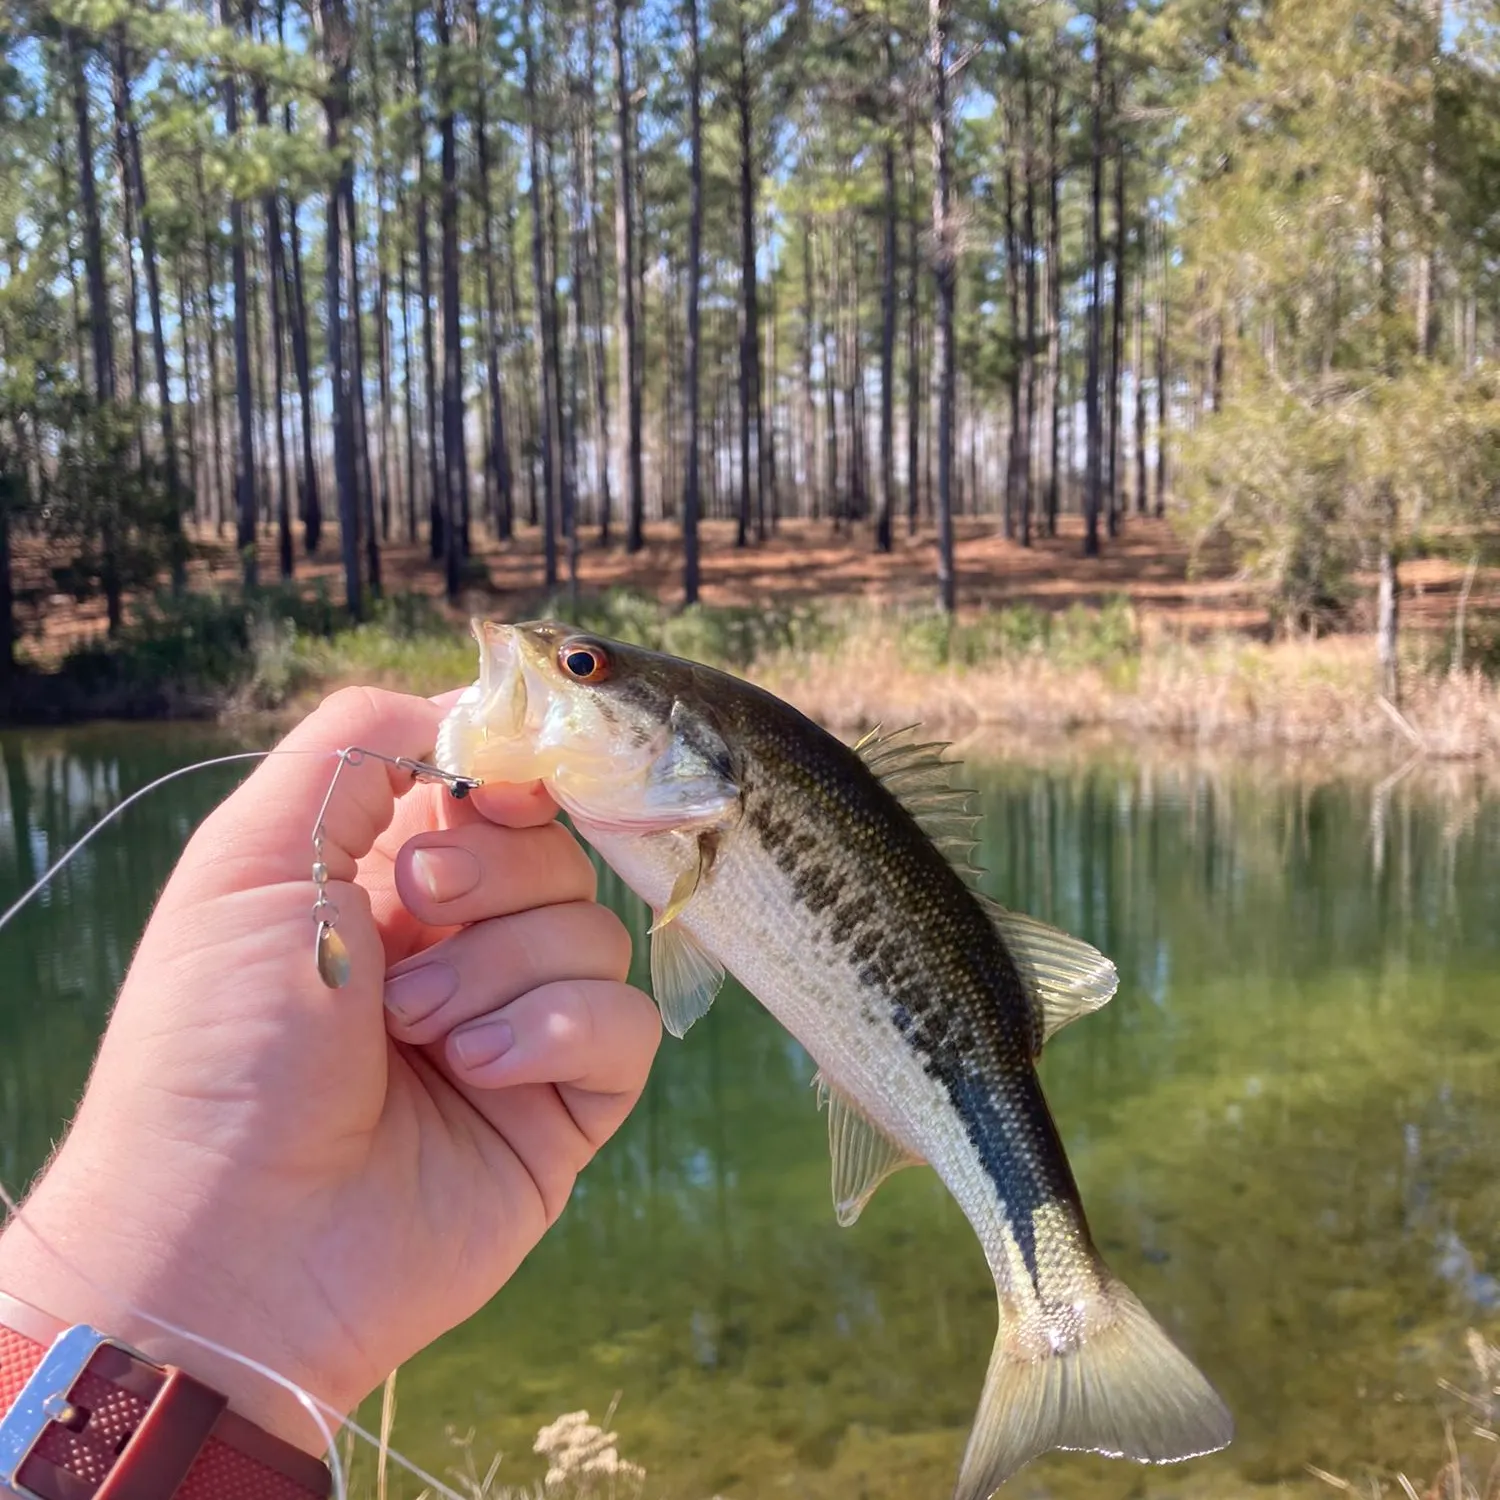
{"points": [[47, 1398]]}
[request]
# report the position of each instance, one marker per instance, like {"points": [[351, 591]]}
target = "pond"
{"points": [[1285, 1128]]}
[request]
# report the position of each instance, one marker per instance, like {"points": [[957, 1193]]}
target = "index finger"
{"points": [[262, 833], [524, 804]]}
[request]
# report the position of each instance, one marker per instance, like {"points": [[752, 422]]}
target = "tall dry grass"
{"points": [[1294, 695]]}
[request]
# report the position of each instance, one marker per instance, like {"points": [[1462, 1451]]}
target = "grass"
{"points": [[849, 664]]}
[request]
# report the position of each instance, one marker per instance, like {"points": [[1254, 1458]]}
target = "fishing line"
{"points": [[325, 914], [203, 765]]}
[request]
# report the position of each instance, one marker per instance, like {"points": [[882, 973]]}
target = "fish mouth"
{"points": [[522, 720]]}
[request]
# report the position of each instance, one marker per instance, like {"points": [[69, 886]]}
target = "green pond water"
{"points": [[1286, 1128]]}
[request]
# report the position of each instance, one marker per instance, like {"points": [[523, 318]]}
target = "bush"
{"points": [[1079, 637]]}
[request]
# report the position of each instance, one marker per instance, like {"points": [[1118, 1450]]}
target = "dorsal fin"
{"points": [[1065, 976], [915, 773]]}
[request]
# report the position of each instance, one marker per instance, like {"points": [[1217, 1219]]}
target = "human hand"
{"points": [[326, 1180]]}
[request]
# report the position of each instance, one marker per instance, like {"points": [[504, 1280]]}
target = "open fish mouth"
{"points": [[523, 719]]}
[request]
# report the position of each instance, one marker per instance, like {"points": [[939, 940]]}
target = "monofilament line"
{"points": [[119, 807]]}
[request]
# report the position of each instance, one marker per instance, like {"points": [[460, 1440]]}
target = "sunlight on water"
{"points": [[1285, 1128]]}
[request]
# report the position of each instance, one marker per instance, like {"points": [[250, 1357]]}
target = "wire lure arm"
{"points": [[329, 950]]}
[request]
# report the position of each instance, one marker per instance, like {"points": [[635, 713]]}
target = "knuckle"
{"points": [[353, 704]]}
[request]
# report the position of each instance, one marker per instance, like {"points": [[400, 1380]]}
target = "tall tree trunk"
{"points": [[382, 297], [773, 383], [811, 476], [854, 398], [562, 390], [1054, 305], [408, 404], [275, 285], [1161, 374], [598, 363], [544, 303], [185, 322], [436, 488], [296, 301], [837, 498], [752, 502], [361, 428], [913, 338], [1095, 468], [944, 252], [244, 468], [629, 465], [1028, 344], [1013, 306], [132, 284], [528, 437], [499, 447], [338, 48], [100, 317], [1138, 378], [1115, 484], [67, 194], [312, 500], [211, 314], [455, 470], [691, 500], [170, 457]]}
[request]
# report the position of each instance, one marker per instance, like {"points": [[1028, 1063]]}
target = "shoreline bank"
{"points": [[1108, 675]]}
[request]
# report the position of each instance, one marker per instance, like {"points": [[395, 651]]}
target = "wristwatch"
{"points": [[85, 1417]]}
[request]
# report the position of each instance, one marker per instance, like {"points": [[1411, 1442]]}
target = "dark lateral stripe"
{"points": [[994, 1138]]}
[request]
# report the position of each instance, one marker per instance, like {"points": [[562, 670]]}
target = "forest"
{"points": [[430, 271]]}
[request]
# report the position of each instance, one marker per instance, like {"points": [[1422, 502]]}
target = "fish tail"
{"points": [[1125, 1390]]}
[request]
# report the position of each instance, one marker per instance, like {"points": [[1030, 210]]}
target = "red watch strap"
{"points": [[144, 1432]]}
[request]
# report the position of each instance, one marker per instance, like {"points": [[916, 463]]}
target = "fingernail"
{"points": [[445, 874], [485, 1043], [413, 995]]}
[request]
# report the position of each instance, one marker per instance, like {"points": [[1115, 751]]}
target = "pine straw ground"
{"points": [[1200, 663]]}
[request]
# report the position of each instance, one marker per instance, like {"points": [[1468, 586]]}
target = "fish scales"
{"points": [[768, 848], [913, 951]]}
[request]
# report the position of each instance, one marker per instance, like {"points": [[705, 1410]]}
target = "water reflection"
{"points": [[1284, 1128], [63, 956]]}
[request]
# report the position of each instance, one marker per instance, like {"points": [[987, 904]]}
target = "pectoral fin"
{"points": [[1065, 976], [685, 887], [684, 978], [863, 1154]]}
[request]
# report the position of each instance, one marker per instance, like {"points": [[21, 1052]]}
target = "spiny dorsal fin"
{"points": [[684, 978], [916, 774], [863, 1155], [1065, 976]]}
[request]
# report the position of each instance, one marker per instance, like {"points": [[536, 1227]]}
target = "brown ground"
{"points": [[1147, 563]]}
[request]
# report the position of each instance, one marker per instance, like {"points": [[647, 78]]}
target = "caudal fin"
{"points": [[1126, 1391]]}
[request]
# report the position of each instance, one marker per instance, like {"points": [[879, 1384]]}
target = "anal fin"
{"points": [[862, 1154], [1124, 1389]]}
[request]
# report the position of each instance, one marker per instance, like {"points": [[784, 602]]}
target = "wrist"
{"points": [[79, 1265]]}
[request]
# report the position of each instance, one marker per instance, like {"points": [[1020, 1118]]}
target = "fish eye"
{"points": [[583, 663]]}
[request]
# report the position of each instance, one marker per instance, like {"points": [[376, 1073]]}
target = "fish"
{"points": [[837, 884]]}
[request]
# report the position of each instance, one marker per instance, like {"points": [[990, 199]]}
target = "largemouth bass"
{"points": [[834, 883]]}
